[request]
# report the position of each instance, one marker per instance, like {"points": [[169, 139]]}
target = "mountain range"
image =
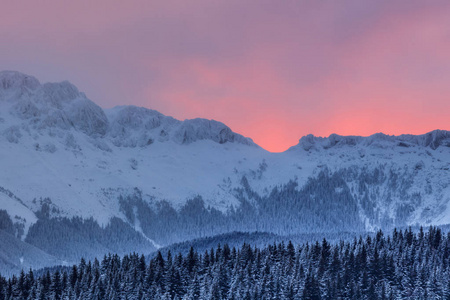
{"points": [[79, 180]]}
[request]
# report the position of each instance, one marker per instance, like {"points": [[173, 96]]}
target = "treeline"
{"points": [[71, 239], [342, 201], [404, 265], [323, 204], [331, 202]]}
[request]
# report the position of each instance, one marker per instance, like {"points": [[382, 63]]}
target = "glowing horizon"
{"points": [[271, 71]]}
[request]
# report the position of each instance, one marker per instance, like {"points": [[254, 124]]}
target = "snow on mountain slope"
{"points": [[422, 162], [137, 126], [57, 144]]}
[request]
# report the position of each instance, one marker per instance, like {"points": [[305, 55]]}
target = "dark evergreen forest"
{"points": [[403, 265]]}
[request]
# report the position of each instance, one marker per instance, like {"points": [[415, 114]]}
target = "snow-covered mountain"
{"points": [[58, 144], [63, 156]]}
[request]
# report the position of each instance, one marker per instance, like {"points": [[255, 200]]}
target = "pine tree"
{"points": [[312, 289], [401, 267], [56, 286]]}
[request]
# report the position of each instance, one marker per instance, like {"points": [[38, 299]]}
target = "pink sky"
{"points": [[271, 70]]}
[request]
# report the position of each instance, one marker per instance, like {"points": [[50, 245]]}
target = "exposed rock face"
{"points": [[58, 105], [201, 129], [16, 81], [433, 139], [61, 105]]}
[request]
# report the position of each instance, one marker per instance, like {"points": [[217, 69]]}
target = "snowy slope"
{"points": [[420, 164], [55, 143]]}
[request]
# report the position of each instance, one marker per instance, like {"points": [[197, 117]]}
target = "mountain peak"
{"points": [[63, 107], [432, 139], [50, 105], [132, 126], [201, 129], [14, 85], [14, 79]]}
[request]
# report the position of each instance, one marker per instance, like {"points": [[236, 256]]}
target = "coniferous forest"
{"points": [[402, 265]]}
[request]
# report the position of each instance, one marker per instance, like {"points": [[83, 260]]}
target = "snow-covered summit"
{"points": [[433, 140], [132, 126], [62, 107], [49, 105], [10, 80]]}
